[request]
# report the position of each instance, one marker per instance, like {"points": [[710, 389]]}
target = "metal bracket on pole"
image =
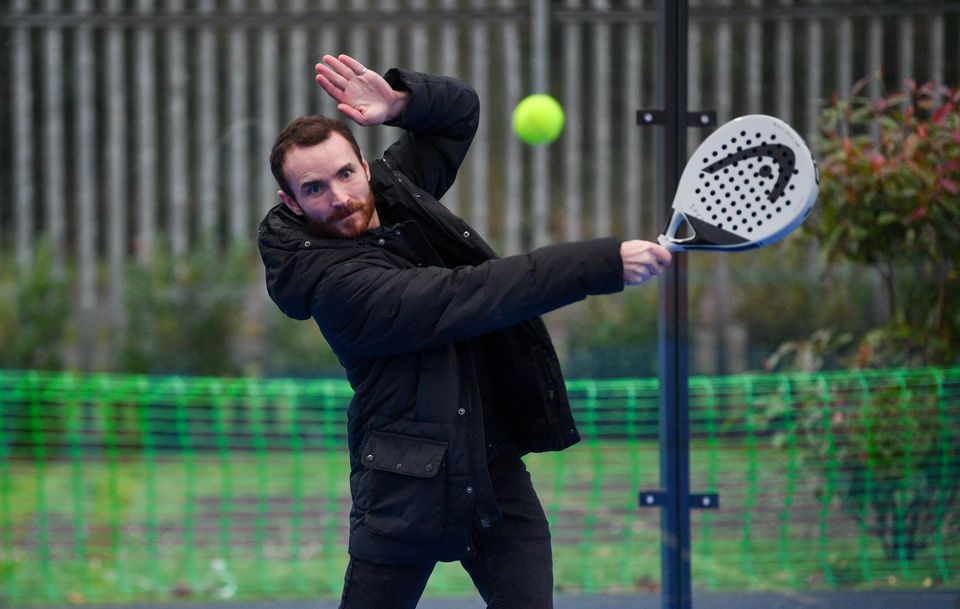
{"points": [[698, 501], [705, 118]]}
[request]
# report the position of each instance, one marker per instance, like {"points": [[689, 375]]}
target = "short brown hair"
{"points": [[306, 131]]}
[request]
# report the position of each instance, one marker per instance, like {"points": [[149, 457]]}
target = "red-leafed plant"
{"points": [[890, 199]]}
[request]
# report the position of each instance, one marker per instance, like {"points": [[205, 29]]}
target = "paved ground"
{"points": [[941, 599]]}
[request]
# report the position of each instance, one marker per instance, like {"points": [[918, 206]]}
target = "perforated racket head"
{"points": [[751, 182]]}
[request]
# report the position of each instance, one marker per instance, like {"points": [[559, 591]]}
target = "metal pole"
{"points": [[672, 308]]}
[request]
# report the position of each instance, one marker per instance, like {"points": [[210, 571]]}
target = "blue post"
{"points": [[672, 308]]}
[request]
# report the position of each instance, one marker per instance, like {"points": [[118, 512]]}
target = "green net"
{"points": [[134, 488]]}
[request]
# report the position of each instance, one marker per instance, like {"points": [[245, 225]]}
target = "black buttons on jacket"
{"points": [[462, 411]]}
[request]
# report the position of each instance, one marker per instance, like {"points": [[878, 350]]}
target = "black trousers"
{"points": [[513, 568]]}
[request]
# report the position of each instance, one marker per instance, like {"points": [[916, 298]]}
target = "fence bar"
{"points": [[330, 41], [237, 132], [573, 129], [750, 504], [174, 41], [387, 55], [480, 200], [268, 117], [513, 155], [208, 147], [943, 469], [300, 73], [54, 163], [418, 43], [937, 49], [84, 172], [146, 137], [24, 155], [540, 155], [754, 73], [784, 62], [814, 84], [150, 495], [633, 195], [358, 45], [601, 109], [449, 65]]}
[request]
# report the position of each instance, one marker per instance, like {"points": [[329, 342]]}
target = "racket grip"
{"points": [[671, 246]]}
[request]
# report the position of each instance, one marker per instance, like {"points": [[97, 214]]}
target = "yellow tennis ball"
{"points": [[538, 119]]}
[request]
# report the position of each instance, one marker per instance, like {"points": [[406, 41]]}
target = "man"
{"points": [[454, 374]]}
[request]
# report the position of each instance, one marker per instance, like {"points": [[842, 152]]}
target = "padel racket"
{"points": [[751, 182]]}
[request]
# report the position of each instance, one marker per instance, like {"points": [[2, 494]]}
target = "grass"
{"points": [[248, 525]]}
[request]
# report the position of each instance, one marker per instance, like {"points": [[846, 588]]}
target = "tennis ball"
{"points": [[538, 119]]}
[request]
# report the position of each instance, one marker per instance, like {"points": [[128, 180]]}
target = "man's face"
{"points": [[331, 188]]}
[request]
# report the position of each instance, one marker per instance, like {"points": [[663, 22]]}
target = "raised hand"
{"points": [[362, 94]]}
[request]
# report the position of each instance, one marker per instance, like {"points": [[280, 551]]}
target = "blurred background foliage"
{"points": [[36, 327], [871, 280]]}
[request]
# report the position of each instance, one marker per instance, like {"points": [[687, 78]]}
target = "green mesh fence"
{"points": [[134, 488]]}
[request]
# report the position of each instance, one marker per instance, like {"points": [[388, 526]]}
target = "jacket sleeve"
{"points": [[438, 125], [366, 309]]}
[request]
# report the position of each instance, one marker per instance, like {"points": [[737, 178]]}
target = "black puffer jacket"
{"points": [[412, 310]]}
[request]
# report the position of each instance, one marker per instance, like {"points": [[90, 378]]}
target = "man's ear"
{"points": [[366, 167], [290, 202]]}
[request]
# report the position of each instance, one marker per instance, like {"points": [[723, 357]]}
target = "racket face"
{"points": [[751, 182]]}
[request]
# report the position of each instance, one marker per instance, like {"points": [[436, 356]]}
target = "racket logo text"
{"points": [[782, 155]]}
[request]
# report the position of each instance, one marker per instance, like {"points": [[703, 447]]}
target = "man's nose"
{"points": [[340, 195]]}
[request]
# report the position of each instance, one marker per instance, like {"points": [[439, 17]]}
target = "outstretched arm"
{"points": [[362, 94]]}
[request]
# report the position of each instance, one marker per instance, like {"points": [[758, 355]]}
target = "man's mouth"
{"points": [[346, 213]]}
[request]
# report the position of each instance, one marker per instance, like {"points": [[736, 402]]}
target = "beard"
{"points": [[345, 222]]}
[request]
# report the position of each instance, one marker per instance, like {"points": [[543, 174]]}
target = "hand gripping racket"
{"points": [[748, 184]]}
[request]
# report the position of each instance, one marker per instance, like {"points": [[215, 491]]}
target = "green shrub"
{"points": [[890, 199], [888, 450], [35, 314], [183, 313]]}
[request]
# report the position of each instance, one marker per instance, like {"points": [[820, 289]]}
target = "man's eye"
{"points": [[346, 174], [314, 189]]}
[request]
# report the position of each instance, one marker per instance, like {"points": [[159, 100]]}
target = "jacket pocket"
{"points": [[401, 494]]}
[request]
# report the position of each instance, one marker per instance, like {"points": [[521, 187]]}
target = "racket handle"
{"points": [[672, 246]]}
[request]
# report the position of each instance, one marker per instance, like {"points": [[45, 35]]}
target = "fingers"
{"points": [[355, 66], [335, 76], [352, 113], [661, 255], [340, 70], [332, 89], [362, 94], [642, 261]]}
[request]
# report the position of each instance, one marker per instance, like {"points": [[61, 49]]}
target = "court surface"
{"points": [[939, 599]]}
